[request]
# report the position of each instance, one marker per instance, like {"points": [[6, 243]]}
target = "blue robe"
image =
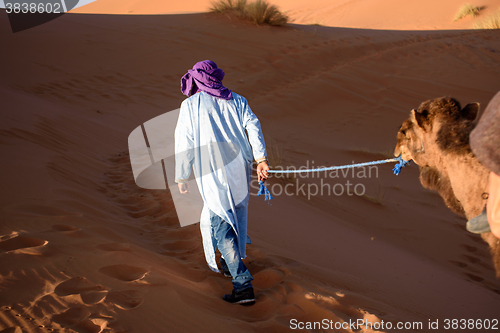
{"points": [[210, 138]]}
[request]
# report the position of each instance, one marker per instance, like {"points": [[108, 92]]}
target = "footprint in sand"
{"points": [[469, 248], [77, 285], [155, 211], [268, 278], [115, 247], [459, 263], [474, 277], [471, 259], [41, 210], [69, 230], [65, 227], [181, 246], [22, 244], [79, 319], [72, 316], [15, 329], [93, 297], [473, 251], [474, 237], [125, 299], [125, 273]]}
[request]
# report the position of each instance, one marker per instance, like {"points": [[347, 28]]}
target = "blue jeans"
{"points": [[228, 247]]}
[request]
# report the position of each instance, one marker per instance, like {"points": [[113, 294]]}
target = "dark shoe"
{"points": [[245, 297], [224, 268], [479, 224]]}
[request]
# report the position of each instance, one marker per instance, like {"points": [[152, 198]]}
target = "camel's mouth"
{"points": [[402, 151]]}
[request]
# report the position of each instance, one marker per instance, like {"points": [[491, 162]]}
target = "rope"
{"points": [[400, 165], [263, 190], [397, 169]]}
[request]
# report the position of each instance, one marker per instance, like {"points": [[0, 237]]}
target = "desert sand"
{"points": [[84, 249], [364, 14]]}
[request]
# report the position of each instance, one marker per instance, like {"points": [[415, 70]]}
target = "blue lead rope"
{"points": [[397, 169], [263, 190], [402, 163]]}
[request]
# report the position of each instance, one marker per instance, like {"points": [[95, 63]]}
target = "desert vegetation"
{"points": [[467, 10], [490, 22], [259, 11]]}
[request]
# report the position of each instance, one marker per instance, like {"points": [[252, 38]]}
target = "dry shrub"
{"points": [[467, 10], [491, 22], [259, 12], [229, 5]]}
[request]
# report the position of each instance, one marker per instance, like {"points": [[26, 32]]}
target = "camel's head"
{"points": [[406, 140], [439, 126]]}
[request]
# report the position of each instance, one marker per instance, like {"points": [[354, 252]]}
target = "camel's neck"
{"points": [[469, 180]]}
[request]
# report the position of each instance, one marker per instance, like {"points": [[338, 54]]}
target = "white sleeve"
{"points": [[252, 124], [184, 144]]}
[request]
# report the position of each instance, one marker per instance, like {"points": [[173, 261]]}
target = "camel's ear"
{"points": [[419, 118], [470, 111]]}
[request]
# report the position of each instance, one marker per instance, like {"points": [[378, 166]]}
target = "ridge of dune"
{"points": [[143, 7], [386, 14], [364, 14]]}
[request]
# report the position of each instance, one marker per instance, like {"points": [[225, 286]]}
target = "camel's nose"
{"points": [[397, 151]]}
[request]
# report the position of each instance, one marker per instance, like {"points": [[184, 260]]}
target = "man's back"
{"points": [[215, 120]]}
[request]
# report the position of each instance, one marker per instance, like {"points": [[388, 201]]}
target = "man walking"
{"points": [[210, 138]]}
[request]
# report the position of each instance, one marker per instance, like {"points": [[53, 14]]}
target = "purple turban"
{"points": [[205, 76]]}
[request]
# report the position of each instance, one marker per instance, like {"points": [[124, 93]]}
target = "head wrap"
{"points": [[205, 76]]}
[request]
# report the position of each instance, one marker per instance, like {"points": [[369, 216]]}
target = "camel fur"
{"points": [[436, 138]]}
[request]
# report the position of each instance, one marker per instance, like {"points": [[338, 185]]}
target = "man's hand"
{"points": [[262, 173], [183, 188]]}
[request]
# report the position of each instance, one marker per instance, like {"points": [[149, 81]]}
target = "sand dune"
{"points": [[365, 14], [83, 249], [384, 14]]}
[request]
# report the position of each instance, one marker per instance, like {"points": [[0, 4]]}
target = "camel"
{"points": [[436, 138]]}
